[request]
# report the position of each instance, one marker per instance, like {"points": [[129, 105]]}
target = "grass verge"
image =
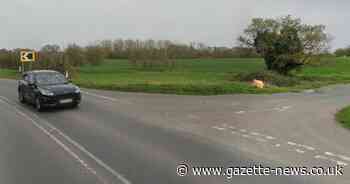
{"points": [[8, 74], [343, 117]]}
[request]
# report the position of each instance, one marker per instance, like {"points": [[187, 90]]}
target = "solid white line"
{"points": [[81, 148], [106, 98]]}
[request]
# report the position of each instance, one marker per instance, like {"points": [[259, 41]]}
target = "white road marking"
{"points": [[106, 98], [308, 147], [344, 157], [255, 133], [330, 159], [330, 154], [240, 112], [219, 128], [300, 151], [232, 127], [270, 137], [66, 148], [261, 140], [246, 136]]}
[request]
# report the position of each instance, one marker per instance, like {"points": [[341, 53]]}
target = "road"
{"points": [[116, 137]]}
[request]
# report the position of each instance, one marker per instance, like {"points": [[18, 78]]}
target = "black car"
{"points": [[46, 88]]}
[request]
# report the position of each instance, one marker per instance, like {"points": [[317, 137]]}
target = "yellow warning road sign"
{"points": [[28, 56]]}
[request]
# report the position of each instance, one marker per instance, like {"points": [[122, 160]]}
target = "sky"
{"points": [[34, 23]]}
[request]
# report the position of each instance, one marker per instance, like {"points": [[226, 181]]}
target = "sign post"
{"points": [[27, 57]]}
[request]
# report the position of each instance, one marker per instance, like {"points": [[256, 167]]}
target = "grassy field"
{"points": [[343, 117], [195, 76], [11, 74], [201, 76]]}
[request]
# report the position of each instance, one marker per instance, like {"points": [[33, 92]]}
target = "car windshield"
{"points": [[50, 78]]}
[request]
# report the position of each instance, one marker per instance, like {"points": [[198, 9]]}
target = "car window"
{"points": [[50, 78], [25, 77]]}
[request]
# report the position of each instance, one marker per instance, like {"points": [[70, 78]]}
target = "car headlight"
{"points": [[77, 90], [46, 92]]}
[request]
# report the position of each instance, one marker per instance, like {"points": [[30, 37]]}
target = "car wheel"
{"points": [[75, 105], [21, 97], [38, 105]]}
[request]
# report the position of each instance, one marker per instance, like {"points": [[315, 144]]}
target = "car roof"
{"points": [[41, 71]]}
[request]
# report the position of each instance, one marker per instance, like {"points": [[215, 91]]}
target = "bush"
{"points": [[269, 77]]}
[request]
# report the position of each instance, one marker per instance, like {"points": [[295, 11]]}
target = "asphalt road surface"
{"points": [[128, 138]]}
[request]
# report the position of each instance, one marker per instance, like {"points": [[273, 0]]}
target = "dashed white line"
{"points": [[300, 148], [308, 147], [240, 112], [330, 154], [246, 136], [232, 127], [300, 151], [255, 133], [219, 128], [270, 137], [261, 140], [330, 159], [344, 157]]}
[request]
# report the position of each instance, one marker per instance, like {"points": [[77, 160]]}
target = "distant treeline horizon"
{"points": [[145, 53]]}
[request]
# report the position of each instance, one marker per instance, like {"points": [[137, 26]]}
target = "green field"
{"points": [[195, 76], [201, 76]]}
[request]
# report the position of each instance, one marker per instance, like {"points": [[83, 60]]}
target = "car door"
{"points": [[24, 86], [31, 88]]}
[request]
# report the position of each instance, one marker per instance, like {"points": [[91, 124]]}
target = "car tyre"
{"points": [[21, 97], [38, 105], [75, 105]]}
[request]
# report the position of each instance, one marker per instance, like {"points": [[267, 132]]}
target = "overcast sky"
{"points": [[33, 23]]}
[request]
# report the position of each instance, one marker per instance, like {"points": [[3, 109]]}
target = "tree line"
{"points": [[139, 52], [343, 52]]}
